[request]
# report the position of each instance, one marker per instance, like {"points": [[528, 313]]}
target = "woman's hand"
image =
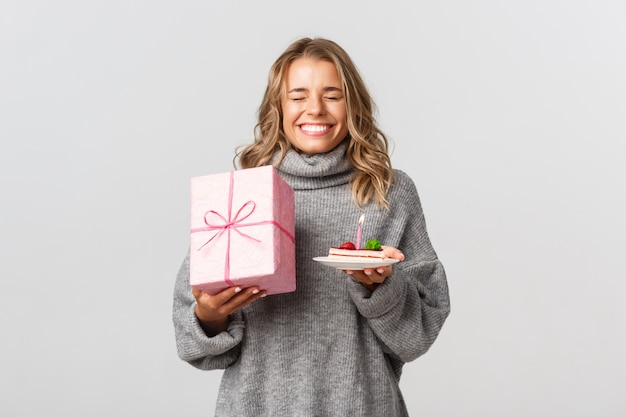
{"points": [[373, 277], [213, 310]]}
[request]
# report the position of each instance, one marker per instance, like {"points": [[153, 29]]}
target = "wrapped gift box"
{"points": [[242, 231]]}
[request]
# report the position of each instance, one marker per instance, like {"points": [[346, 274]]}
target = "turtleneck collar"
{"points": [[307, 172]]}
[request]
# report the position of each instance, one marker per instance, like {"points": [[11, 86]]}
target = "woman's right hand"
{"points": [[213, 311]]}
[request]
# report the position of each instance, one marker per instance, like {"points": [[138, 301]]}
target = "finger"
{"points": [[360, 276], [252, 297], [394, 253], [227, 302], [225, 294], [217, 303], [223, 297], [196, 292], [244, 298], [376, 275], [379, 271]]}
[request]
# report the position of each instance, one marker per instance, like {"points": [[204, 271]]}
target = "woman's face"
{"points": [[314, 107]]}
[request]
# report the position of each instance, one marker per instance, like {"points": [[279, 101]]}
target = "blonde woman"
{"points": [[336, 346]]}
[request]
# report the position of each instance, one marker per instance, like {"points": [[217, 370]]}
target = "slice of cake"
{"points": [[347, 251]]}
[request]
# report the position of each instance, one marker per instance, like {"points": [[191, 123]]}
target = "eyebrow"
{"points": [[302, 89]]}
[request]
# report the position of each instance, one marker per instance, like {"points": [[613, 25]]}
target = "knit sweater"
{"points": [[332, 347]]}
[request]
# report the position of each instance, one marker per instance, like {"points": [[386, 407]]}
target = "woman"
{"points": [[336, 346]]}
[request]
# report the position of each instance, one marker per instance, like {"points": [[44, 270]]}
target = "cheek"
{"points": [[341, 115], [344, 113], [288, 115], [287, 123], [284, 117]]}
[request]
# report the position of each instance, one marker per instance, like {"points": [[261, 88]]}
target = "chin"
{"points": [[309, 150], [313, 147]]}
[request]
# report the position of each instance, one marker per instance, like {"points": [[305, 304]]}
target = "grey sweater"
{"points": [[332, 347]]}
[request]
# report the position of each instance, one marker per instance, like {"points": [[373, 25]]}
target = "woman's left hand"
{"points": [[373, 277]]}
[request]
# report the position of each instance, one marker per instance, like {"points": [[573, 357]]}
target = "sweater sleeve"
{"points": [[193, 345], [408, 310]]}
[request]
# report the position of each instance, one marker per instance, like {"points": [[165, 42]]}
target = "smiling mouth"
{"points": [[315, 128]]}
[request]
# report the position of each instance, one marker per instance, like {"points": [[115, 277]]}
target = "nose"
{"points": [[315, 106]]}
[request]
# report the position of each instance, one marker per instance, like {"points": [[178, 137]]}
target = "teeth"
{"points": [[315, 128]]}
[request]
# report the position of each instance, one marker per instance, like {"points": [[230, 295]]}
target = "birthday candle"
{"points": [[358, 231]]}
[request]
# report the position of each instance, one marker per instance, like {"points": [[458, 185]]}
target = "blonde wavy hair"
{"points": [[368, 147]]}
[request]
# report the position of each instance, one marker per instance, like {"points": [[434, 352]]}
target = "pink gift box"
{"points": [[242, 231]]}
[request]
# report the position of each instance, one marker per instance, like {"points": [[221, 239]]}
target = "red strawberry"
{"points": [[347, 245]]}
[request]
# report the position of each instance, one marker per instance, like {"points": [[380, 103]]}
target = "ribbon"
{"points": [[233, 223]]}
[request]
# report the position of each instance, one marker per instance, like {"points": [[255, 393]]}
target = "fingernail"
{"points": [[263, 295], [349, 272], [368, 272], [380, 270], [237, 289], [255, 291]]}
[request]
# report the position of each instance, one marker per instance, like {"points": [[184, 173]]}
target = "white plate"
{"points": [[353, 265]]}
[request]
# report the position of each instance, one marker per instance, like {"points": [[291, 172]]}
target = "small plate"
{"points": [[353, 265]]}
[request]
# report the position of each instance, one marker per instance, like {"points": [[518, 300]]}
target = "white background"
{"points": [[509, 116]]}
